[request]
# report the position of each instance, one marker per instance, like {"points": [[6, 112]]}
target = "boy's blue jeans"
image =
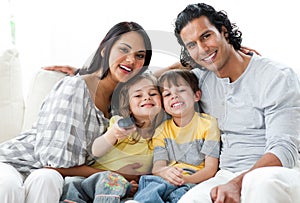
{"points": [[156, 189], [100, 187]]}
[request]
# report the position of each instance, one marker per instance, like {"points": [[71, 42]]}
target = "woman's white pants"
{"points": [[42, 185]]}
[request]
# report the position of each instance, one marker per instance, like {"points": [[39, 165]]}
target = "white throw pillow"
{"points": [[11, 95], [40, 86]]}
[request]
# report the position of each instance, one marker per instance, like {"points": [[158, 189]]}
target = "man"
{"points": [[257, 104]]}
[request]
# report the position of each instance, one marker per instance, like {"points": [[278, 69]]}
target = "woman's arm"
{"points": [[82, 170], [129, 171]]}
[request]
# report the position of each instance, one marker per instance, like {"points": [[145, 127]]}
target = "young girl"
{"points": [[125, 154]]}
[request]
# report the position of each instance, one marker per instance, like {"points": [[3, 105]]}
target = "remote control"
{"points": [[126, 123]]}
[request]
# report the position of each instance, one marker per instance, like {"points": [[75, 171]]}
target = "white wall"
{"points": [[5, 37], [60, 32]]}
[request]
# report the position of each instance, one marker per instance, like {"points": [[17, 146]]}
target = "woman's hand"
{"points": [[130, 169], [130, 172], [64, 69], [134, 188]]}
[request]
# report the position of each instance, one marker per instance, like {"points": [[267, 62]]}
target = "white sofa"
{"points": [[19, 113]]}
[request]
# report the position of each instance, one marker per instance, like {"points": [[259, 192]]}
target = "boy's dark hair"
{"points": [[173, 77], [217, 18]]}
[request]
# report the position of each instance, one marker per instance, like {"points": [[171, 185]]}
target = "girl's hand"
{"points": [[121, 133], [104, 143]]}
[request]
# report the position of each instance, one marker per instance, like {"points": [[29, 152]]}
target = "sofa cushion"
{"points": [[40, 86], [11, 94]]}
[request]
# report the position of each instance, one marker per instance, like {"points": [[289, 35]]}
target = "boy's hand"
{"points": [[173, 175]]}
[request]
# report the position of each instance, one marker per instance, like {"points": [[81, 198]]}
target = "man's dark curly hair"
{"points": [[216, 18]]}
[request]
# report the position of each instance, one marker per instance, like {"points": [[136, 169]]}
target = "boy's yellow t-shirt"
{"points": [[125, 152], [186, 147]]}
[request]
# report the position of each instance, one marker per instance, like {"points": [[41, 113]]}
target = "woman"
{"points": [[75, 112]]}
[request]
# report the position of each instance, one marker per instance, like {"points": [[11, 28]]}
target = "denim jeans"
{"points": [[156, 189], [100, 187]]}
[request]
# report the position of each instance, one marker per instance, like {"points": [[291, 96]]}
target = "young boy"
{"points": [[186, 146]]}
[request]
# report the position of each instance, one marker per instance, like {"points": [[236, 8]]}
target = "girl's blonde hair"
{"points": [[124, 97]]}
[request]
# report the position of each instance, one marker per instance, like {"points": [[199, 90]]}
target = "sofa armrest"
{"points": [[11, 94]]}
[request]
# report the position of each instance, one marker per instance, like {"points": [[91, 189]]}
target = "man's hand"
{"points": [[231, 191], [226, 193], [64, 69]]}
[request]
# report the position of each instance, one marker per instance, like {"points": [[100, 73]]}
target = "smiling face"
{"points": [[127, 56], [205, 44], [144, 100], [179, 99]]}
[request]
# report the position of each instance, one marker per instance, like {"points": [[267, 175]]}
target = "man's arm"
{"points": [[176, 65], [69, 70], [282, 115], [232, 190]]}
